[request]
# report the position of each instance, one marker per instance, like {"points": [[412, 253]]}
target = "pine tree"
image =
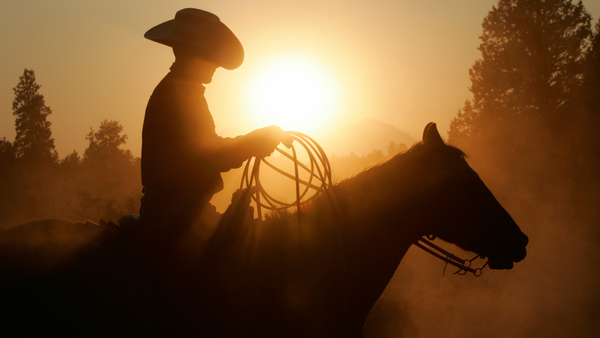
{"points": [[591, 86], [531, 67], [584, 133], [33, 142], [105, 146], [7, 153], [71, 161]]}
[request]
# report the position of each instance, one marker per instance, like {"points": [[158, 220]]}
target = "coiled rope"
{"points": [[318, 181]]}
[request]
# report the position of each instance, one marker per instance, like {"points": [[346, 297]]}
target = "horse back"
{"points": [[38, 247]]}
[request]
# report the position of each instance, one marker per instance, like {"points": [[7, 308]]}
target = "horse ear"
{"points": [[431, 136]]}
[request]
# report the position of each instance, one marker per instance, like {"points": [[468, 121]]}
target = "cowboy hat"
{"points": [[203, 33]]}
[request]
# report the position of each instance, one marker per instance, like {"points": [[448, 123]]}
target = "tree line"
{"points": [[36, 184], [104, 183], [534, 118]]}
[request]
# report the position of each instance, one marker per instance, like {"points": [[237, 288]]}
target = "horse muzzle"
{"points": [[514, 254]]}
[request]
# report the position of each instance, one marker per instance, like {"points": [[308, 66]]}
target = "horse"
{"points": [[313, 274]]}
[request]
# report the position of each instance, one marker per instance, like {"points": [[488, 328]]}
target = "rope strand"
{"points": [[319, 171]]}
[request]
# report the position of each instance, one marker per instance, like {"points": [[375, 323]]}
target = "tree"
{"points": [[591, 86], [71, 161], [531, 67], [105, 146], [33, 142], [583, 135], [111, 175], [7, 153]]}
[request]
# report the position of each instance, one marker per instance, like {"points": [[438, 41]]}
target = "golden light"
{"points": [[294, 93]]}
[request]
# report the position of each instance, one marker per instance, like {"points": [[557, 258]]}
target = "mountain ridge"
{"points": [[363, 137]]}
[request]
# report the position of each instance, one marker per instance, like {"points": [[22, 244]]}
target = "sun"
{"points": [[294, 93]]}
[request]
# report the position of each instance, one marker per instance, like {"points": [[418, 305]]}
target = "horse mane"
{"points": [[450, 150], [401, 158]]}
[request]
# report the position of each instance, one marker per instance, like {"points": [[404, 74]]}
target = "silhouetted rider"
{"points": [[182, 156]]}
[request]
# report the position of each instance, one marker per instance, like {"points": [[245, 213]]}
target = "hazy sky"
{"points": [[403, 62]]}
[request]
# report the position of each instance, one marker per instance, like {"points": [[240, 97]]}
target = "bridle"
{"points": [[318, 182], [464, 265]]}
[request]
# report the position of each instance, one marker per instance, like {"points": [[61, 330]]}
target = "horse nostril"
{"points": [[520, 254], [520, 251], [525, 240]]}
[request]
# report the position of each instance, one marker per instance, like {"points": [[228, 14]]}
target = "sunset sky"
{"points": [[403, 62]]}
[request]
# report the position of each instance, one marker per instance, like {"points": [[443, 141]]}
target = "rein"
{"points": [[319, 182], [464, 265]]}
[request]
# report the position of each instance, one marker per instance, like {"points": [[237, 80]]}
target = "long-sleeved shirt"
{"points": [[181, 153]]}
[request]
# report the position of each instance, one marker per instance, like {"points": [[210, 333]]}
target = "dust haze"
{"points": [[552, 293], [544, 174]]}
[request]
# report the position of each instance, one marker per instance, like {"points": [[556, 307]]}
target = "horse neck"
{"points": [[386, 200], [380, 222]]}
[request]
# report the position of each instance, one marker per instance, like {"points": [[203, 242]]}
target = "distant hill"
{"points": [[361, 138]]}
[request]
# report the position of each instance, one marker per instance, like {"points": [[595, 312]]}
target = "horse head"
{"points": [[467, 213]]}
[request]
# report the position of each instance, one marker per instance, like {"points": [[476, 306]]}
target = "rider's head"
{"points": [[201, 38], [201, 67]]}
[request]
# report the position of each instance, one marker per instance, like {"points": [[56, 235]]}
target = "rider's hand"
{"points": [[263, 141], [287, 140]]}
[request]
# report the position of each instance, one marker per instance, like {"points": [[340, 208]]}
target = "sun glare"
{"points": [[295, 94]]}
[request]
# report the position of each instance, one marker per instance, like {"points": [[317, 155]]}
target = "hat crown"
{"points": [[205, 27], [201, 32]]}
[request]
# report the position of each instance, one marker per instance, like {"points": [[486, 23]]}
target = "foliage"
{"points": [[528, 113], [534, 114], [33, 142], [591, 87], [531, 130], [7, 153], [71, 161], [105, 145], [531, 68], [105, 184]]}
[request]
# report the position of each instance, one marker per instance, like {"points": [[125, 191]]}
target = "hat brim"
{"points": [[229, 53]]}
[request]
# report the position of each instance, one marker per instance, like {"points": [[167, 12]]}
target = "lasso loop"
{"points": [[318, 181]]}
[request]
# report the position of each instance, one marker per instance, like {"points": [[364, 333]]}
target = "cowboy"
{"points": [[182, 156]]}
